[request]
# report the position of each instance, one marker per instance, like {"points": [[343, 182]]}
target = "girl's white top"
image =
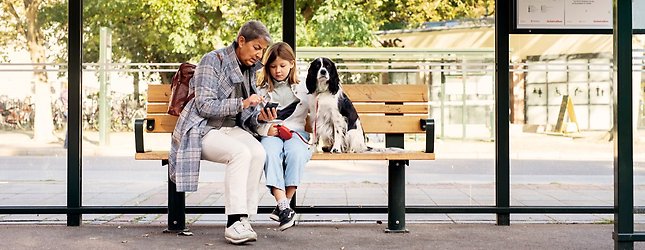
{"points": [[285, 94]]}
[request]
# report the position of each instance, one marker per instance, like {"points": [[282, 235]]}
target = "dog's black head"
{"points": [[322, 76]]}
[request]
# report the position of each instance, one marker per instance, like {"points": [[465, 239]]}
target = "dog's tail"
{"points": [[385, 150]]}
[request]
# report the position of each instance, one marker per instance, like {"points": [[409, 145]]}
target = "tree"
{"points": [[415, 12], [171, 31], [159, 31], [25, 30], [341, 23]]}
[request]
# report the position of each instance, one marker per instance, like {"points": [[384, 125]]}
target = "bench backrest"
{"points": [[382, 108]]}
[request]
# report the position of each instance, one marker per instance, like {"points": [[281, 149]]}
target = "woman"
{"points": [[219, 125]]}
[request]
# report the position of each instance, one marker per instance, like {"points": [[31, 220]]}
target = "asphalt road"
{"points": [[317, 236]]}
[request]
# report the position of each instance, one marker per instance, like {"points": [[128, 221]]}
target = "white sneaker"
{"points": [[247, 224], [238, 233]]}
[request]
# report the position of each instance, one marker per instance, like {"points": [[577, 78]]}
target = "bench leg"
{"points": [[176, 211], [292, 204], [396, 197]]}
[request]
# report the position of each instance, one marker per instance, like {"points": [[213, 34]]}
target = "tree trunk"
{"points": [[43, 123], [135, 92], [166, 77]]}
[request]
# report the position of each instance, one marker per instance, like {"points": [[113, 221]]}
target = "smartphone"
{"points": [[269, 106]]}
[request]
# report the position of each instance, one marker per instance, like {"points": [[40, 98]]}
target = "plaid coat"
{"points": [[214, 81]]}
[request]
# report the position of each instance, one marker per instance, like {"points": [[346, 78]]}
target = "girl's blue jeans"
{"points": [[285, 160]]}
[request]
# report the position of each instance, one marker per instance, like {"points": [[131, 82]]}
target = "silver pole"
{"points": [[105, 57]]}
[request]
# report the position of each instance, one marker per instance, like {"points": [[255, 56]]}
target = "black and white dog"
{"points": [[335, 122]]}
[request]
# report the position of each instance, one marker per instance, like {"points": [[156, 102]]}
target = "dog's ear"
{"points": [[334, 80], [312, 75]]}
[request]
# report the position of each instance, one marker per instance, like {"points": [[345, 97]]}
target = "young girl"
{"points": [[277, 83]]}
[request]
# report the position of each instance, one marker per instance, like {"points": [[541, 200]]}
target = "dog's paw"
{"points": [[336, 151]]}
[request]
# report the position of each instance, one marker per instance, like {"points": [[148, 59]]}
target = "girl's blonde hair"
{"points": [[284, 51]]}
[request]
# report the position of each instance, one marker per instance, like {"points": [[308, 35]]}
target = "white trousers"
{"points": [[244, 157]]}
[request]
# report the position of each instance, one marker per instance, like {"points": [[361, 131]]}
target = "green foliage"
{"points": [[180, 30], [416, 12], [156, 30], [341, 23], [11, 29], [14, 24], [164, 31]]}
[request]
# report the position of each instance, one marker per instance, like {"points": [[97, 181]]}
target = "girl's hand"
{"points": [[273, 131], [268, 116]]}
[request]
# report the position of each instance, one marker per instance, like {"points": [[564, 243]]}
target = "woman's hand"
{"points": [[268, 116], [252, 101]]}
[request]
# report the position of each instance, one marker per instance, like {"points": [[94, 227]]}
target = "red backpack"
{"points": [[180, 89]]}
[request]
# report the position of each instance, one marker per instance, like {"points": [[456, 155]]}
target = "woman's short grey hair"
{"points": [[253, 29]]}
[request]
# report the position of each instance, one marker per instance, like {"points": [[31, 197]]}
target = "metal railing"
{"points": [[457, 71]]}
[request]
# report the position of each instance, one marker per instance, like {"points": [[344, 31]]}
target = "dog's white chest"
{"points": [[327, 104]]}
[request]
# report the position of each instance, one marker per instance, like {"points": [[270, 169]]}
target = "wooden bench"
{"points": [[393, 110]]}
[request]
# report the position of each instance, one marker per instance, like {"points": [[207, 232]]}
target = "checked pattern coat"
{"points": [[214, 82]]}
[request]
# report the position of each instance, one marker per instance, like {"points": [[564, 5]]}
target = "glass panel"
{"points": [[33, 110], [121, 61], [560, 158], [639, 133], [460, 86]]}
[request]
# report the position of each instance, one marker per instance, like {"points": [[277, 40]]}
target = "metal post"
{"points": [[105, 57], [289, 22], [442, 100], [588, 79], [636, 95], [502, 159], [395, 188], [623, 139], [463, 98], [396, 185], [289, 36], [176, 209], [396, 197], [293, 201], [430, 130], [74, 149]]}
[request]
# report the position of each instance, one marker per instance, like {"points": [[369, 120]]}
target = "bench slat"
{"points": [[152, 155], [392, 124], [391, 108], [386, 93], [356, 92], [157, 108], [163, 155], [374, 156], [158, 92], [165, 123], [161, 108]]}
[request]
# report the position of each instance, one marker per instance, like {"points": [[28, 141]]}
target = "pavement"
{"points": [[546, 170], [586, 145], [316, 236]]}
